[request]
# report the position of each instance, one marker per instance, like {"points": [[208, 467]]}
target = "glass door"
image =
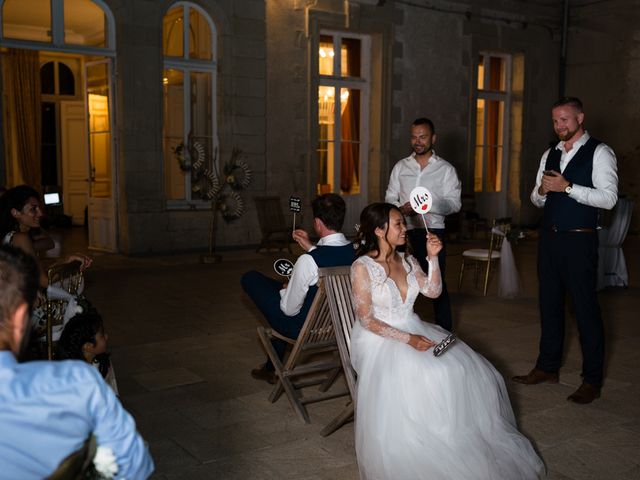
{"points": [[342, 131], [101, 215]]}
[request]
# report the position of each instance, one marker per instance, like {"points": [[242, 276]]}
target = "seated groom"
{"points": [[49, 409], [285, 307]]}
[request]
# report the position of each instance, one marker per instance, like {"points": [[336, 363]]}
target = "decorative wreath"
{"points": [[198, 149], [209, 185], [231, 205], [183, 162], [237, 174], [207, 182]]}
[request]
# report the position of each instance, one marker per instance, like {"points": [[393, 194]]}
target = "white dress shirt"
{"points": [[439, 177], [604, 176], [305, 275]]}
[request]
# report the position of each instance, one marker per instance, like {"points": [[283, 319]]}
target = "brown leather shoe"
{"points": [[261, 373], [586, 393], [536, 376]]}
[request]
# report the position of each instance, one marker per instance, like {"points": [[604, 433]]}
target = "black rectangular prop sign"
{"points": [[295, 204]]}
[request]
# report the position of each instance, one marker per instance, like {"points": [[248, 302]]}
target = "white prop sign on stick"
{"points": [[421, 201]]}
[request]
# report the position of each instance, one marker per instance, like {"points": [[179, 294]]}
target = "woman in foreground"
{"points": [[419, 416]]}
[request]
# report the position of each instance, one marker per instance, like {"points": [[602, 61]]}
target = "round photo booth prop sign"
{"points": [[283, 267], [421, 201]]}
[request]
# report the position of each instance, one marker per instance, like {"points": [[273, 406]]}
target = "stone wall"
{"points": [[425, 62], [435, 76], [145, 223], [604, 71]]}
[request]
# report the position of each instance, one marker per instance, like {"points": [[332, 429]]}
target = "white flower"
{"points": [[105, 462]]}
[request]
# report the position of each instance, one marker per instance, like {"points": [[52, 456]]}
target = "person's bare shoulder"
{"points": [[22, 240]]}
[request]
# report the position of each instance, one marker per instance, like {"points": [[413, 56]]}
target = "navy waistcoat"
{"points": [[327, 256], [561, 212]]}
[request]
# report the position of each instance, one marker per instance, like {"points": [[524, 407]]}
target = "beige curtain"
{"points": [[23, 69]]}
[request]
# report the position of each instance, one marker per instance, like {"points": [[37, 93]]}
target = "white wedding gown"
{"points": [[419, 416]]}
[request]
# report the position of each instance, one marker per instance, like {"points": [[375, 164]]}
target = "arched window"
{"points": [[57, 84], [56, 78], [75, 25], [189, 107]]}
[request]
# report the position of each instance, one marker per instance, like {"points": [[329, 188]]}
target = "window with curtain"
{"points": [[492, 104], [78, 26], [341, 91]]}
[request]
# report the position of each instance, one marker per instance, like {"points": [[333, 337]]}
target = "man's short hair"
{"points": [[424, 121], [571, 101], [18, 281], [330, 208]]}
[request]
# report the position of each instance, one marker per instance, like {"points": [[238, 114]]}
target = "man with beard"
{"points": [[48, 410], [285, 307], [426, 169], [575, 178]]}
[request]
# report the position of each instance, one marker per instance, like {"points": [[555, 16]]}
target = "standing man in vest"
{"points": [[285, 307], [426, 169], [576, 178]]}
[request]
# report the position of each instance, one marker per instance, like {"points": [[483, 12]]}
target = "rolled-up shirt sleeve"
{"points": [[537, 199], [304, 274], [604, 177]]}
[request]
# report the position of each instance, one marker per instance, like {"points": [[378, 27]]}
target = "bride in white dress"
{"points": [[419, 416]]}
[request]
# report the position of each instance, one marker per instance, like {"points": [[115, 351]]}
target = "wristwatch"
{"points": [[569, 188]]}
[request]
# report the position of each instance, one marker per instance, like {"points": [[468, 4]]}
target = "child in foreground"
{"points": [[84, 338]]}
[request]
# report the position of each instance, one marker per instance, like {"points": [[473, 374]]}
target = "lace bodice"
{"points": [[377, 300]]}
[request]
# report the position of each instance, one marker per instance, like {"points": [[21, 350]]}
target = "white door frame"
{"points": [[102, 215], [355, 202]]}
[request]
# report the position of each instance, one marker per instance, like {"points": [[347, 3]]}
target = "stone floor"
{"points": [[183, 340]]}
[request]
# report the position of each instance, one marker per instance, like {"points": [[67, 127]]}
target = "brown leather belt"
{"points": [[573, 230]]}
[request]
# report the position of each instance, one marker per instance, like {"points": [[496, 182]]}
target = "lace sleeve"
{"points": [[362, 302], [430, 285]]}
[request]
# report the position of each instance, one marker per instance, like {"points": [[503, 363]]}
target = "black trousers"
{"points": [[568, 263], [441, 305]]}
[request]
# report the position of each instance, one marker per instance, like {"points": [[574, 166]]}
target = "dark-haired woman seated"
{"points": [[419, 416], [20, 215]]}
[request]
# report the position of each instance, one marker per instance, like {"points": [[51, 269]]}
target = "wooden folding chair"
{"points": [[275, 232], [67, 276], [337, 285], [78, 464], [300, 370]]}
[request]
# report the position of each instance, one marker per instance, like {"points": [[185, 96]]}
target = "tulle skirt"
{"points": [[425, 417]]}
